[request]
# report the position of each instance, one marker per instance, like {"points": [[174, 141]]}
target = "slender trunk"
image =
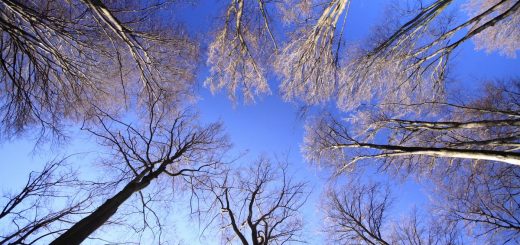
{"points": [[395, 150], [81, 230]]}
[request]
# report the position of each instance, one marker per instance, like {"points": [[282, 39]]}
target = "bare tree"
{"points": [[411, 60], [483, 15], [484, 128], [359, 214], [309, 61], [399, 61], [502, 36], [468, 148], [259, 205], [413, 230], [485, 199], [59, 57], [237, 56], [165, 145], [48, 201], [245, 48], [48, 38]]}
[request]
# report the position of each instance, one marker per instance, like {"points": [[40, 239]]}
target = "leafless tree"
{"points": [[48, 202], [502, 36], [237, 56], [413, 230], [359, 214], [45, 39], [399, 62], [163, 145], [485, 199], [483, 15], [309, 61], [245, 48], [468, 148], [59, 57], [483, 129], [259, 205], [411, 60]]}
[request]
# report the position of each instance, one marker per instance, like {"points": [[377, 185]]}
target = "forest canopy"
{"points": [[377, 102]]}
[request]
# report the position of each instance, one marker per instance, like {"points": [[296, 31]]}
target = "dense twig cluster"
{"points": [[237, 56], [59, 57]]}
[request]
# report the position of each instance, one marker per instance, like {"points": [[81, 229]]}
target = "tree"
{"points": [[410, 61], [309, 62], [128, 56], [484, 129], [259, 204], [46, 39], [359, 214], [237, 55], [60, 57], [166, 144], [484, 199], [246, 48], [470, 155], [400, 60], [28, 218], [502, 37], [67, 60]]}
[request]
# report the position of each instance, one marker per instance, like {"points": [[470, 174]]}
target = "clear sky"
{"points": [[270, 126]]}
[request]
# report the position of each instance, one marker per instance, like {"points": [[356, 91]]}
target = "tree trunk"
{"points": [[478, 154], [81, 230]]}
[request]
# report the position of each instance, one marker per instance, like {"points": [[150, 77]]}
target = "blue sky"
{"points": [[270, 126]]}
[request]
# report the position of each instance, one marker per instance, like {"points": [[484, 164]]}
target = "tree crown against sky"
{"points": [[404, 59], [259, 204], [125, 70], [359, 213], [62, 58], [406, 135]]}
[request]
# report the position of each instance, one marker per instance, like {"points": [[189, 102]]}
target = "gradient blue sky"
{"points": [[271, 126]]}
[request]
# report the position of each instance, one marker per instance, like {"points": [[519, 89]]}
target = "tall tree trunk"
{"points": [[81, 230], [396, 150]]}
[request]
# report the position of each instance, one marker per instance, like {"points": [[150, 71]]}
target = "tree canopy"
{"points": [[128, 75]]}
